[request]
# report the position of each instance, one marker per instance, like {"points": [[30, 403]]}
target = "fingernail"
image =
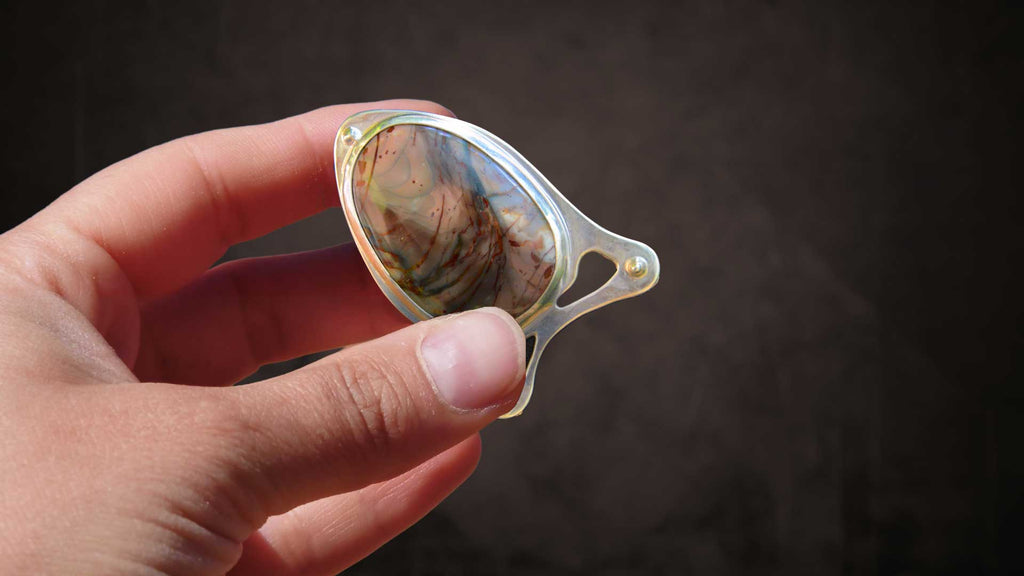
{"points": [[475, 359]]}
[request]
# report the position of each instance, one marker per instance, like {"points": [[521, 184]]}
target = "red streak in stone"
{"points": [[510, 226], [494, 256], [373, 164], [433, 239]]}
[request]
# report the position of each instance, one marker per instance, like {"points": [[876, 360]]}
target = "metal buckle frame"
{"points": [[637, 267]]}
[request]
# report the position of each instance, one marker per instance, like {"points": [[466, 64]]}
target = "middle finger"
{"points": [[247, 313]]}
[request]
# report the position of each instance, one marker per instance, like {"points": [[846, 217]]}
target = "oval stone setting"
{"points": [[453, 229]]}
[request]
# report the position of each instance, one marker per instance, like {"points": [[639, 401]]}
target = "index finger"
{"points": [[166, 214]]}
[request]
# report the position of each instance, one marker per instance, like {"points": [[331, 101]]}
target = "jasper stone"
{"points": [[453, 229]]}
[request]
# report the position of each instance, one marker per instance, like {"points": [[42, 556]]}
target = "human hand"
{"points": [[123, 449]]}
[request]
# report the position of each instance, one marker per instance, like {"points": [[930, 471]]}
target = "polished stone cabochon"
{"points": [[451, 227]]}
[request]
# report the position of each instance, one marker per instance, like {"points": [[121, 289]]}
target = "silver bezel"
{"points": [[637, 267]]}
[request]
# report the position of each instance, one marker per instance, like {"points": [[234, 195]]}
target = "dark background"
{"points": [[828, 378]]}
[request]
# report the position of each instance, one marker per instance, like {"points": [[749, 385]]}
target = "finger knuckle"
{"points": [[372, 401]]}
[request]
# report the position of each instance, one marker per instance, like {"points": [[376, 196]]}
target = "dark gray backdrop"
{"points": [[827, 379]]}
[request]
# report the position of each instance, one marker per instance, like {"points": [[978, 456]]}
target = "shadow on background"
{"points": [[828, 378]]}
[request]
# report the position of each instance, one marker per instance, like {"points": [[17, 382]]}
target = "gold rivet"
{"points": [[636, 266], [351, 135]]}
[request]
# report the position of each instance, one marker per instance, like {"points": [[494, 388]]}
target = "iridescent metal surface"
{"points": [[451, 227]]}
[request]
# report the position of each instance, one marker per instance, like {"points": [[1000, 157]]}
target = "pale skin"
{"points": [[123, 447]]}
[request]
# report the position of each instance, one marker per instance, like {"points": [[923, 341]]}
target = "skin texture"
{"points": [[123, 449]]}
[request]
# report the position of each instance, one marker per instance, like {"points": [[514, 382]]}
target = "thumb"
{"points": [[375, 410]]}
